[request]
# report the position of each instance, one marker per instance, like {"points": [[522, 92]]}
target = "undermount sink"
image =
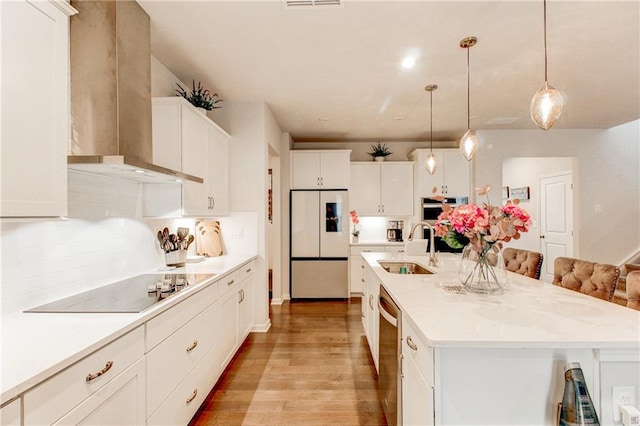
{"points": [[409, 268]]}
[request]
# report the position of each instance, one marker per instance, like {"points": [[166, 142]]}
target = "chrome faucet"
{"points": [[433, 259]]}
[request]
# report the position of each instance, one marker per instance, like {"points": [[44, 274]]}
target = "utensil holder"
{"points": [[175, 258]]}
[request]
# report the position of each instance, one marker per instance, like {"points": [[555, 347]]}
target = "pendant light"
{"points": [[469, 141], [546, 105], [431, 164]]}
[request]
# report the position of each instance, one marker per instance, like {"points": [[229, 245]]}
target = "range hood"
{"points": [[111, 93]]}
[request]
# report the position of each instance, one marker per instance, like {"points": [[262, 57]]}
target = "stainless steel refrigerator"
{"points": [[319, 244]]}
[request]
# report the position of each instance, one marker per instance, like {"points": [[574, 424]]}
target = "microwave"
{"points": [[431, 208]]}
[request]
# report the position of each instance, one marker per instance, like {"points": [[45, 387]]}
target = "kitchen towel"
{"points": [[208, 238]]}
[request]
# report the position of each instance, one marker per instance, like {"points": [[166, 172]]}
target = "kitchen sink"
{"points": [[409, 268]]}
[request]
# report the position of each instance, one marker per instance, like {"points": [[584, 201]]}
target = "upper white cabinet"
{"points": [[35, 108], [320, 169], [452, 179], [382, 188], [186, 140]]}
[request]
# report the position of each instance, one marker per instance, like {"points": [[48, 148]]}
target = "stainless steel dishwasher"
{"points": [[389, 385]]}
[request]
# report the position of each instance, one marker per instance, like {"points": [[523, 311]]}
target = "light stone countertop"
{"points": [[36, 346], [530, 313]]}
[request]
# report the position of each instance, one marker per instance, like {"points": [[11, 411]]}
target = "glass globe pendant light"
{"points": [[431, 164], [546, 105], [469, 141]]}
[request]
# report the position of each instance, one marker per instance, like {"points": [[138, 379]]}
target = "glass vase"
{"points": [[482, 271]]}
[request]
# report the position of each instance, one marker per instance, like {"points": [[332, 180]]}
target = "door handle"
{"points": [[542, 237]]}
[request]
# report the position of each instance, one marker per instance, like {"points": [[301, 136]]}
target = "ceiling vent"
{"points": [[312, 4]]}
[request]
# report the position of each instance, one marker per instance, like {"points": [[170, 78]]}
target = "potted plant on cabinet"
{"points": [[199, 97], [379, 151]]}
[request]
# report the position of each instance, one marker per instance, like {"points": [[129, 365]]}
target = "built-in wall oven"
{"points": [[431, 209], [389, 347]]}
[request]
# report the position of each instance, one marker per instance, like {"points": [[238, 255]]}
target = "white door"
{"points": [[556, 221], [305, 230], [334, 170], [195, 161], [305, 170], [334, 224]]}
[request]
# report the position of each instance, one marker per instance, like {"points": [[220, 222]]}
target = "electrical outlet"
{"points": [[622, 395]]}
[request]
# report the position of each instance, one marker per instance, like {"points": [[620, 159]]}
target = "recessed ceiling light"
{"points": [[408, 62], [398, 118], [323, 119], [140, 171]]}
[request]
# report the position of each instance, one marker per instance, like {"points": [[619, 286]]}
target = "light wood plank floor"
{"points": [[312, 368]]}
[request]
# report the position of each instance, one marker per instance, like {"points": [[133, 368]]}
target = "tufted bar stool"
{"points": [[633, 290], [594, 279], [523, 262]]}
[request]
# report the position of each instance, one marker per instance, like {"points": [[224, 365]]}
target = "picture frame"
{"points": [[521, 193]]}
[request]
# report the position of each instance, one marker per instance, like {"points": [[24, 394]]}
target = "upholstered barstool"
{"points": [[523, 262], [633, 290], [594, 279]]}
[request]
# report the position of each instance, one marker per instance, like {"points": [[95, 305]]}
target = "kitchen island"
{"points": [[499, 359]]}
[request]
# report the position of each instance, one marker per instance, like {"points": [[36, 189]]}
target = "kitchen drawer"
{"points": [[48, 401], [172, 360], [229, 282], [246, 270], [372, 248], [394, 249], [187, 397], [414, 346], [166, 323], [10, 413]]}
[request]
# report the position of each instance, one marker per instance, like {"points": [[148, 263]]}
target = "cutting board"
{"points": [[208, 238]]}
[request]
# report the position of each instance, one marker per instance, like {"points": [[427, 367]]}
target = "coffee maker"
{"points": [[394, 230]]}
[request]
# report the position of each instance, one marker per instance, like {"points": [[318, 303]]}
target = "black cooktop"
{"points": [[132, 295]]}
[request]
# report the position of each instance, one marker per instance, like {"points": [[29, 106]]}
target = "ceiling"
{"points": [[334, 73]]}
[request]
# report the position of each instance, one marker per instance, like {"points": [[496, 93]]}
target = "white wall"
{"points": [[609, 175], [286, 144]]}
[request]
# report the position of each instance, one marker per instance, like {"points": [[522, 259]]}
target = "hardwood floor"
{"points": [[312, 368]]}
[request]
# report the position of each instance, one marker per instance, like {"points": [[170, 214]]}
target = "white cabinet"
{"points": [[186, 140], [356, 266], [320, 169], [35, 113], [245, 302], [11, 413], [373, 319], [106, 386], [417, 364], [382, 188], [452, 179]]}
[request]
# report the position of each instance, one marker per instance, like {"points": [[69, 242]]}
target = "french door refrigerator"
{"points": [[319, 244]]}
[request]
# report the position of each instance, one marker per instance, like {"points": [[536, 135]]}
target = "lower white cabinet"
{"points": [[373, 319], [11, 414], [245, 308], [101, 386], [228, 330], [417, 365], [119, 402]]}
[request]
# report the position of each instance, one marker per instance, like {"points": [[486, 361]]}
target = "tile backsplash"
{"points": [[104, 239]]}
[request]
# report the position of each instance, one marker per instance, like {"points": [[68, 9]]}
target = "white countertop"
{"points": [[530, 313], [37, 345], [377, 243]]}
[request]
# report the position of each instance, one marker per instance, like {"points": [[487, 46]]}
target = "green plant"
{"points": [[379, 150], [199, 96]]}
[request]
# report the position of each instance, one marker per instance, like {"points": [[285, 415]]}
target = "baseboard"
{"points": [[277, 301], [261, 328]]}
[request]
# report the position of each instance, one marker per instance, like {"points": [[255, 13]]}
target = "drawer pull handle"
{"points": [[231, 282], [193, 396], [94, 376], [248, 270], [371, 301], [193, 346], [362, 266], [241, 294], [411, 344]]}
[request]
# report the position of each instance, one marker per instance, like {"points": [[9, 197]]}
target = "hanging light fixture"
{"points": [[546, 105], [469, 141], [431, 164]]}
